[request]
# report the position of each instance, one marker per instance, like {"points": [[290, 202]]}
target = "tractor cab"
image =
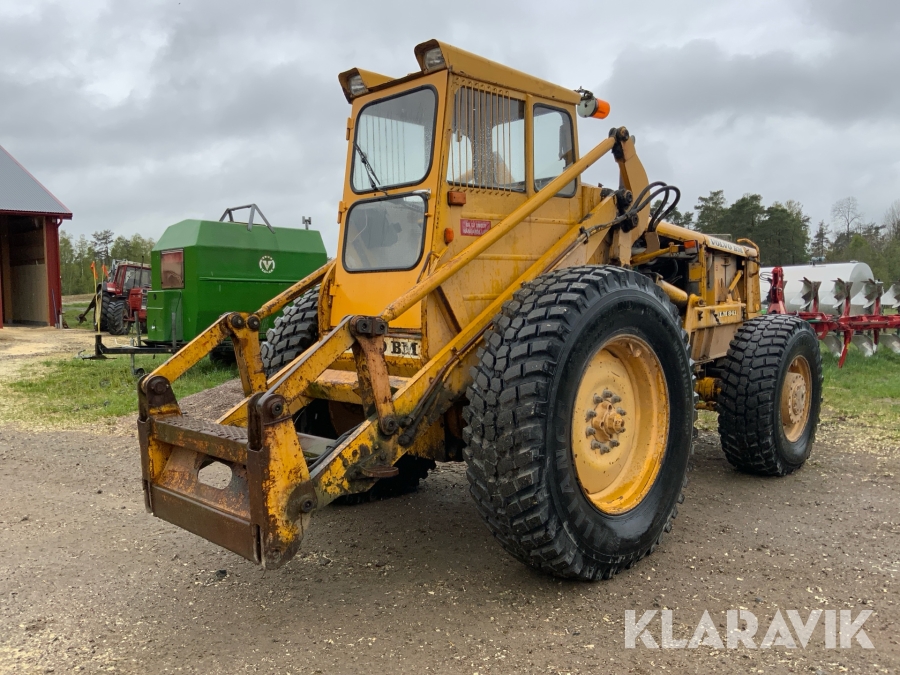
{"points": [[435, 160], [126, 275]]}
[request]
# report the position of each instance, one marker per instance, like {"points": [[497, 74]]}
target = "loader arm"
{"points": [[264, 511]]}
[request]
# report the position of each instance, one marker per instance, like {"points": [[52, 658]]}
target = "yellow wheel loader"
{"points": [[488, 306]]}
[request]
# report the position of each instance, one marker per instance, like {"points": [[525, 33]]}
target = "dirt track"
{"points": [[90, 581]]}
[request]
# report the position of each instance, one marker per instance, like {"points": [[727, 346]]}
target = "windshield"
{"points": [[394, 141]]}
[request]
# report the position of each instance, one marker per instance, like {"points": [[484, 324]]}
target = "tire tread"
{"points": [[508, 405]]}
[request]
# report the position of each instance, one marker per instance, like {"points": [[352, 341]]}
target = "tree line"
{"points": [[783, 232], [76, 256]]}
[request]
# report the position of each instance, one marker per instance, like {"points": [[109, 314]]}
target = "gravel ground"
{"points": [[92, 583]]}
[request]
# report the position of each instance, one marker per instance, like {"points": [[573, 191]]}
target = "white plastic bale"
{"points": [[855, 274]]}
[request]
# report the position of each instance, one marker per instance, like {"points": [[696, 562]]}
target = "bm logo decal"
{"points": [[396, 347], [267, 264]]}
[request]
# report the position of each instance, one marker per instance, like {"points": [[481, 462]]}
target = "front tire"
{"points": [[295, 331], [115, 318], [553, 481], [771, 395]]}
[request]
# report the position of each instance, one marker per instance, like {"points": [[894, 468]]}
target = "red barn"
{"points": [[30, 281]]}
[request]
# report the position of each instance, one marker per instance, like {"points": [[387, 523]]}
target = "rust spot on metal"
{"points": [[380, 471]]}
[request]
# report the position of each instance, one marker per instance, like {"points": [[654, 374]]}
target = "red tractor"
{"points": [[122, 298]]}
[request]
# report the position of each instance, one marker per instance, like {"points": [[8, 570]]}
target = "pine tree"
{"points": [[710, 211], [102, 241], [821, 243]]}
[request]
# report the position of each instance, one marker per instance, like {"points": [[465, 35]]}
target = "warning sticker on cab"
{"points": [[474, 228]]}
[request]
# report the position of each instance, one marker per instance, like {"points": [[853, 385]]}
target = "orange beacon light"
{"points": [[591, 106]]}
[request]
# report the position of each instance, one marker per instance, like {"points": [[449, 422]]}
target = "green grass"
{"points": [[71, 312], [72, 390], [865, 392], [865, 389]]}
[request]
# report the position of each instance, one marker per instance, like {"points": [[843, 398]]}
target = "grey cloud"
{"points": [[855, 17], [685, 84], [139, 114]]}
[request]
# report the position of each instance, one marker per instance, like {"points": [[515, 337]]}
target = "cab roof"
{"points": [[466, 64]]}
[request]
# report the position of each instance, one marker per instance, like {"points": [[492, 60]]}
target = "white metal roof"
{"points": [[20, 192]]}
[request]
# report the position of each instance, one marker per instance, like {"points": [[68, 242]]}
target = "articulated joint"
{"points": [[708, 388]]}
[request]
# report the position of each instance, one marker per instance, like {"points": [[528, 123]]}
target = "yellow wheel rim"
{"points": [[620, 424], [795, 398]]}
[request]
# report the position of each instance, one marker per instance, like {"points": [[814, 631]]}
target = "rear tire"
{"points": [[115, 318], [526, 441], [295, 331], [771, 395]]}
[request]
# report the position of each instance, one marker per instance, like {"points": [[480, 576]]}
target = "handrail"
{"points": [[467, 255]]}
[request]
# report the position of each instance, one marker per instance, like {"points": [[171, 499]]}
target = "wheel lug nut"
{"points": [[597, 399], [613, 443], [591, 414], [615, 399], [621, 411], [590, 431], [607, 393], [602, 447]]}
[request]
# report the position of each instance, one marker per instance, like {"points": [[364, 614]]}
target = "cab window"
{"points": [[554, 147], [385, 234], [171, 269], [487, 141], [394, 141]]}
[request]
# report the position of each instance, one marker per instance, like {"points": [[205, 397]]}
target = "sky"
{"points": [[137, 115]]}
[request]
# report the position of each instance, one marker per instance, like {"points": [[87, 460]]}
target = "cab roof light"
{"points": [[357, 82], [430, 56], [433, 59], [356, 86]]}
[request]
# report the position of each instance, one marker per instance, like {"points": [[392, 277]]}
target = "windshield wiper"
{"points": [[373, 179]]}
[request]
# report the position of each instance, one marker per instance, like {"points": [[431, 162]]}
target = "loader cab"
{"points": [[434, 160]]}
